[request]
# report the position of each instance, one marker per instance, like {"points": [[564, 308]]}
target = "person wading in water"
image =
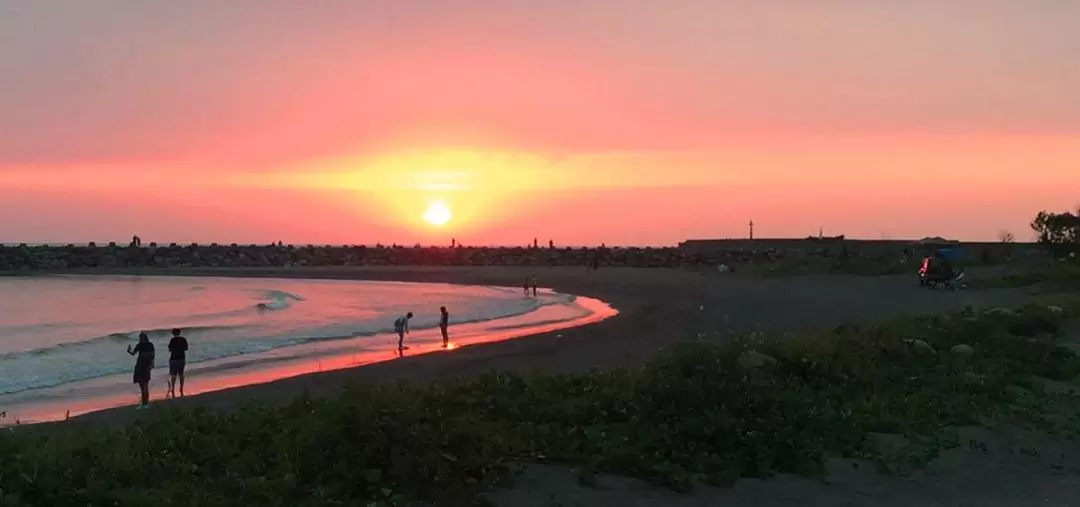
{"points": [[178, 347], [444, 323], [401, 327], [143, 364]]}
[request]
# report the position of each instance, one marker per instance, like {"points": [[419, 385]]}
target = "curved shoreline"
{"points": [[657, 307], [72, 400]]}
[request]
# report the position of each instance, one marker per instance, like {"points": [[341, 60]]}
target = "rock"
{"points": [[753, 359], [1055, 310], [920, 346], [1000, 311], [971, 377], [962, 349], [1017, 391], [1033, 325]]}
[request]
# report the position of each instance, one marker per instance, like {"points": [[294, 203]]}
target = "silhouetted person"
{"points": [[143, 364], [525, 286], [532, 281], [401, 327], [178, 347], [444, 324]]}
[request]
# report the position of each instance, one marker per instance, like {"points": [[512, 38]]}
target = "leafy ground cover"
{"points": [[1060, 276], [698, 412]]}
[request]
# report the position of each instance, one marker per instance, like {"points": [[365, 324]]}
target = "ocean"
{"points": [[63, 338]]}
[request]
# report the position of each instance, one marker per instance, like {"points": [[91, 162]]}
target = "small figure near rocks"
{"points": [[962, 350]]}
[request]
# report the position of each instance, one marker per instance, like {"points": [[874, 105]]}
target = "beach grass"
{"points": [[709, 411], [1059, 276]]}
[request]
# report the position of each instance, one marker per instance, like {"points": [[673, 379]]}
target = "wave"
{"points": [[279, 300], [73, 361], [118, 338]]}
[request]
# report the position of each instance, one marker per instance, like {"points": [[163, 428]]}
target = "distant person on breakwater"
{"points": [[444, 323], [401, 327], [178, 347], [143, 364]]}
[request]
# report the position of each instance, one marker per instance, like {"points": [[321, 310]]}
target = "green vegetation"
{"points": [[708, 412], [1059, 233], [1060, 276]]}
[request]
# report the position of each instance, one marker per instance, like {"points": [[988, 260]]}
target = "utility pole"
{"points": [[751, 229]]}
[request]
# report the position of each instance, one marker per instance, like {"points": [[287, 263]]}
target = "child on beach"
{"points": [[444, 323], [178, 347], [143, 364], [401, 327]]}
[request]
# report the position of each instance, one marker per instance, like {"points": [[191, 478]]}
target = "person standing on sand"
{"points": [[178, 347], [143, 364], [401, 327], [444, 323], [526, 286], [532, 281]]}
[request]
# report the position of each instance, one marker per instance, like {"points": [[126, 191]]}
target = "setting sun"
{"points": [[437, 213]]}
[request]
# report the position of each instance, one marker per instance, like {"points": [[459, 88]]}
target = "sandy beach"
{"points": [[658, 307]]}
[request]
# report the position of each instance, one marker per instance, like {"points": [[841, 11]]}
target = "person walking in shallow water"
{"points": [[143, 364], [178, 347], [401, 327], [444, 323]]}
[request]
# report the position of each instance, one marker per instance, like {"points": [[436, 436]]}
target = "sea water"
{"points": [[66, 336]]}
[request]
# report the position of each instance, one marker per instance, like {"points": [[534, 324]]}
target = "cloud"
{"points": [[252, 85]]}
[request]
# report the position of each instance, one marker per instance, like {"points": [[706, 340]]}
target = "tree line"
{"points": [[1059, 232]]}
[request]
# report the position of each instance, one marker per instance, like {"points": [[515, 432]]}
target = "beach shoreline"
{"points": [[657, 307], [556, 312]]}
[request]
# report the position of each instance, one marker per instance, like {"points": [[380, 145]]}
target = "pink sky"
{"points": [[617, 121]]}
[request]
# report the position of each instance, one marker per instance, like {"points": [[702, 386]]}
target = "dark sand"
{"points": [[660, 307], [657, 307]]}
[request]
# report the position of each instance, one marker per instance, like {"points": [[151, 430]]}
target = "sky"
{"points": [[607, 121]]}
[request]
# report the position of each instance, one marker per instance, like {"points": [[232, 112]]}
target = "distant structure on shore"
{"points": [[691, 253], [834, 245]]}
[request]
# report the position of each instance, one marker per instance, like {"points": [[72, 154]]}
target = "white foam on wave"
{"points": [[219, 324]]}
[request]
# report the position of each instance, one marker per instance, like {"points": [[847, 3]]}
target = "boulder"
{"points": [[1055, 310], [962, 350], [973, 378], [920, 346]]}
